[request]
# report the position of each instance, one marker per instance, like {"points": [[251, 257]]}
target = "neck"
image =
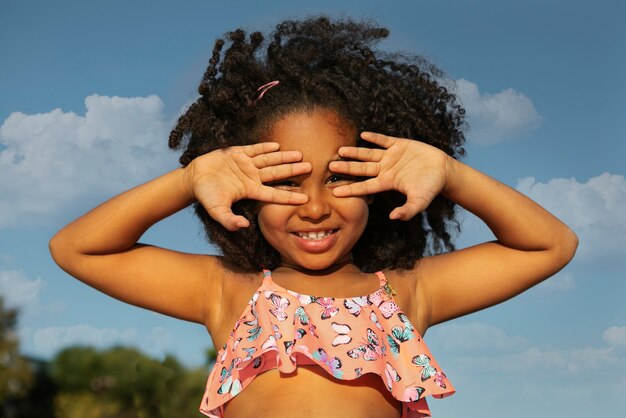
{"points": [[344, 266]]}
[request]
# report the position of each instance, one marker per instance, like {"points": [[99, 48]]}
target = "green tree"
{"points": [[122, 382], [16, 377], [211, 356], [184, 400]]}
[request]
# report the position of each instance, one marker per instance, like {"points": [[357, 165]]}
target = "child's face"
{"points": [[321, 232]]}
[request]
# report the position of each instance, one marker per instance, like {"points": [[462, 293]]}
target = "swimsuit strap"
{"points": [[384, 283], [267, 275], [381, 278]]}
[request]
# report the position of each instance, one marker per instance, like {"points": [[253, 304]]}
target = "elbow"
{"points": [[55, 248], [567, 246], [572, 243], [59, 249]]}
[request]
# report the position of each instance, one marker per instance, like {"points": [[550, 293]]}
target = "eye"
{"points": [[341, 178], [283, 184]]}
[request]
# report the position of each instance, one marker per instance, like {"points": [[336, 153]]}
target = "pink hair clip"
{"points": [[265, 87]]}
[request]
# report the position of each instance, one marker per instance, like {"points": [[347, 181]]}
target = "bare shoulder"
{"points": [[409, 297], [234, 283], [236, 288]]}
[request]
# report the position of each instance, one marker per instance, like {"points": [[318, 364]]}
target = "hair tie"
{"points": [[265, 87]]}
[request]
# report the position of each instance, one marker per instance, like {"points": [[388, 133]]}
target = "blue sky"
{"points": [[89, 91]]}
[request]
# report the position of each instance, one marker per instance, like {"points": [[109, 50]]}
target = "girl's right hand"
{"points": [[222, 177]]}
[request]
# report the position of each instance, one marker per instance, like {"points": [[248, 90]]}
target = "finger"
{"points": [[378, 139], [355, 168], [411, 208], [283, 171], [284, 197], [275, 158], [259, 148], [225, 216], [361, 188], [362, 154]]}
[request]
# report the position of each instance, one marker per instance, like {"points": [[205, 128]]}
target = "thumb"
{"points": [[225, 216], [412, 207]]}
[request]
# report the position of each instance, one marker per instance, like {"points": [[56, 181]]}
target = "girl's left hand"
{"points": [[416, 169]]}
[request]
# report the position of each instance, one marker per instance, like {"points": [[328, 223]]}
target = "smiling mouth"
{"points": [[314, 235]]}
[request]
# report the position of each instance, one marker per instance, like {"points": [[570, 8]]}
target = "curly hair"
{"points": [[325, 64]]}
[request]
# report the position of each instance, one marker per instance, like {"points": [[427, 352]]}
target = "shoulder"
{"points": [[231, 274], [229, 299], [219, 270], [229, 285], [410, 295]]}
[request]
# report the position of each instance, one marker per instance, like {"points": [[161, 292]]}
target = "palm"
{"points": [[413, 168], [223, 177]]}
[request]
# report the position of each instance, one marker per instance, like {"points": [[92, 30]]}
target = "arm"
{"points": [[531, 246], [531, 243], [100, 248]]}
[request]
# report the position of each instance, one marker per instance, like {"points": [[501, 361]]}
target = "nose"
{"points": [[318, 205]]}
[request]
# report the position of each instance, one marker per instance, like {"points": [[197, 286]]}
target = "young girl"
{"points": [[327, 174]]}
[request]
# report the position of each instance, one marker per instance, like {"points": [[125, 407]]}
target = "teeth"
{"points": [[314, 235]]}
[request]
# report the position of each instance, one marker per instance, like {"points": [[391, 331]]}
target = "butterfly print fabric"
{"points": [[347, 337]]}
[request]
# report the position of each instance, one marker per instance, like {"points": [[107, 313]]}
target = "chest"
{"points": [[238, 292]]}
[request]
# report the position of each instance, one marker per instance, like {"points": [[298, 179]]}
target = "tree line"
{"points": [[85, 382]]}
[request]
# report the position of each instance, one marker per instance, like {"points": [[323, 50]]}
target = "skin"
{"points": [[317, 136], [100, 248]]}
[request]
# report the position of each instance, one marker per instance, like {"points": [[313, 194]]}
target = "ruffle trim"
{"points": [[412, 396], [284, 330]]}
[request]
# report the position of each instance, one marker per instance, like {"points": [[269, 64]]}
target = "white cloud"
{"points": [[48, 341], [536, 360], [556, 380], [158, 342], [54, 159], [18, 289], [475, 336], [615, 336], [478, 347], [594, 209], [496, 117], [532, 359]]}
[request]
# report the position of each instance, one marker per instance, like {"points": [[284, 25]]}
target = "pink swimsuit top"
{"points": [[347, 337]]}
